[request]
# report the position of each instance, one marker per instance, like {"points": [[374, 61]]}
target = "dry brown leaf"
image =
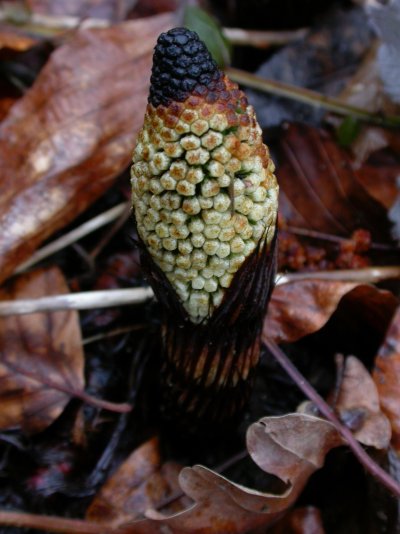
{"points": [[387, 377], [320, 190], [41, 357], [65, 141], [141, 482], [303, 307], [380, 181], [358, 406], [291, 447]]}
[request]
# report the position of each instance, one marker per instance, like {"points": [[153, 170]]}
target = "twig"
{"points": [[262, 39], [123, 217], [77, 301], [74, 235], [112, 333], [313, 234], [127, 297], [368, 275], [307, 96], [369, 464], [118, 407], [48, 25]]}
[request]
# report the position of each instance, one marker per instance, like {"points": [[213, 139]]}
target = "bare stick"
{"points": [[307, 96], [314, 234], [368, 275], [118, 407], [127, 297], [54, 24], [123, 217], [369, 464], [77, 301], [262, 39], [74, 235]]}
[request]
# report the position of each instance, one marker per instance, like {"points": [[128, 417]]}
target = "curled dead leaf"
{"points": [[291, 447], [358, 406], [41, 357], [387, 377], [303, 307], [64, 142]]}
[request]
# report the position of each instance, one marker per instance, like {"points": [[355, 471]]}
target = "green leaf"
{"points": [[348, 131], [210, 32]]}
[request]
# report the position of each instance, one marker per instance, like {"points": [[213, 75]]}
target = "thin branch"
{"points": [[74, 235], [113, 333], [123, 217], [307, 96], [127, 297], [313, 234], [369, 464], [368, 275], [262, 39], [47, 25], [77, 301], [118, 407]]}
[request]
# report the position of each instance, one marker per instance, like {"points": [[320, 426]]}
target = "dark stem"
{"points": [[369, 464]]}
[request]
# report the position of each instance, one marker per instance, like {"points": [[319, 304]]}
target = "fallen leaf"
{"points": [[41, 357], [358, 406], [380, 181], [303, 307], [65, 141], [291, 447], [387, 377], [320, 190], [141, 482]]}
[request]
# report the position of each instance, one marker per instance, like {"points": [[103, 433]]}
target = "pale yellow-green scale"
{"points": [[203, 200]]}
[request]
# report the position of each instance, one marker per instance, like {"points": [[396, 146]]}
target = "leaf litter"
{"points": [[64, 145], [41, 362]]}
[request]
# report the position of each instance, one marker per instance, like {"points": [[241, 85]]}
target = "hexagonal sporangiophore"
{"points": [[205, 201]]}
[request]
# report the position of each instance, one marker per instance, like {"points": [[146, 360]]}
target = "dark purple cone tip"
{"points": [[182, 65]]}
